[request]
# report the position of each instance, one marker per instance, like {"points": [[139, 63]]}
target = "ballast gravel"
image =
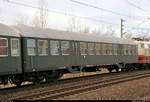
{"points": [[131, 90]]}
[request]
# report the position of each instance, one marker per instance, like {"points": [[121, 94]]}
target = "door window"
{"points": [[15, 47], [31, 46], [91, 49], [54, 46], [97, 46], [75, 48], [83, 48], [65, 47], [3, 47], [104, 49]]}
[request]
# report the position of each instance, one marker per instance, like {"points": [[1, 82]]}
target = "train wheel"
{"points": [[4, 80], [146, 66], [18, 83], [58, 75], [17, 80], [117, 70], [50, 77], [38, 80], [127, 68], [110, 70], [53, 76]]}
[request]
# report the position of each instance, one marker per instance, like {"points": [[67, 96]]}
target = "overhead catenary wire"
{"points": [[67, 14], [106, 10], [62, 13], [110, 11], [136, 6]]}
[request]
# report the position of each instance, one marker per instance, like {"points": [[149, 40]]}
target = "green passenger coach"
{"points": [[34, 54], [10, 54]]}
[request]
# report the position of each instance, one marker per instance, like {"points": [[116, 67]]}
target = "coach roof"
{"points": [[27, 31], [7, 31]]}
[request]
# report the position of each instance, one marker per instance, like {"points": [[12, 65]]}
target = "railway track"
{"points": [[74, 86]]}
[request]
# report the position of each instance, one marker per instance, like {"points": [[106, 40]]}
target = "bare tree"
{"points": [[1, 19], [74, 25], [110, 31], [86, 30], [142, 35], [36, 20], [41, 17], [97, 31], [22, 20]]}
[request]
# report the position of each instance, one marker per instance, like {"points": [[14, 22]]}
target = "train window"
{"points": [[104, 49], [42, 47], [115, 49], [54, 45], [119, 49], [75, 48], [132, 50], [83, 48], [15, 47], [97, 46], [65, 47], [107, 49], [111, 49], [91, 49], [31, 47], [135, 50], [129, 50], [125, 49], [142, 45], [3, 47], [122, 50]]}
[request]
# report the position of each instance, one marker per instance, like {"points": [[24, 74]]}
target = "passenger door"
{"points": [[31, 55], [15, 55], [75, 53]]}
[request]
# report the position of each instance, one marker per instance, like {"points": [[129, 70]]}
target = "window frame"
{"points": [[110, 49], [98, 49], [46, 48], [35, 48], [91, 49], [74, 48], [124, 49], [18, 46], [6, 47], [136, 49], [103, 49], [82, 48], [129, 49], [133, 50], [115, 49], [58, 48], [65, 47]]}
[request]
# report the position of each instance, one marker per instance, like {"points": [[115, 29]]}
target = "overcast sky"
{"points": [[135, 12]]}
